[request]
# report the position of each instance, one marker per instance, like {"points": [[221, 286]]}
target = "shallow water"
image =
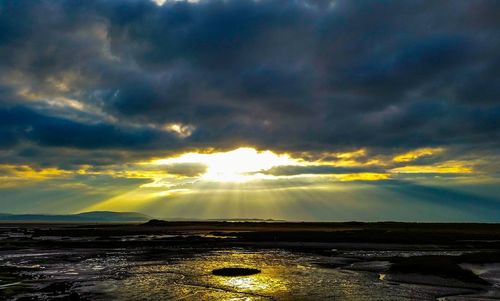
{"points": [[183, 275]]}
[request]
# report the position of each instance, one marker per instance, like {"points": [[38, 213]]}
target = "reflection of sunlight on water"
{"points": [[191, 278], [269, 282], [245, 283], [284, 276], [262, 284]]}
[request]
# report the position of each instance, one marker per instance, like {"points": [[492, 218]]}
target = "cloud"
{"points": [[449, 167], [301, 75], [23, 123], [186, 169], [417, 154], [291, 170]]}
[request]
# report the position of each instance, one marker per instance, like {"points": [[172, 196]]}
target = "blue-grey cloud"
{"points": [[20, 123], [286, 75]]}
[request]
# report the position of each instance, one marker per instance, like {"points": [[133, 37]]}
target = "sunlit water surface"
{"points": [[285, 275]]}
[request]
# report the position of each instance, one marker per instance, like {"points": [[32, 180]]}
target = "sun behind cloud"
{"points": [[238, 165]]}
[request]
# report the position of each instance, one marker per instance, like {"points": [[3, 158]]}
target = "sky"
{"points": [[308, 110]]}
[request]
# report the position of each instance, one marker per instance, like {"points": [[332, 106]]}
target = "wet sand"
{"points": [[296, 261]]}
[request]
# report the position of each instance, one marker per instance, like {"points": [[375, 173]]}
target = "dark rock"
{"points": [[235, 272], [155, 223], [443, 266]]}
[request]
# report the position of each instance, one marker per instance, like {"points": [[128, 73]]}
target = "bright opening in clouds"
{"points": [[241, 164]]}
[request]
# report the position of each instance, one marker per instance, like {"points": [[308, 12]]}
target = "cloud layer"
{"points": [[275, 74]]}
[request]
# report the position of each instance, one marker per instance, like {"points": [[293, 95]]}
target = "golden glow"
{"points": [[181, 130], [239, 165], [449, 167], [365, 176], [208, 179], [418, 153], [130, 201], [269, 281], [350, 155], [272, 283], [28, 173], [355, 158], [59, 101]]}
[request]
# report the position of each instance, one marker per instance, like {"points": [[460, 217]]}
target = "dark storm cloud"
{"points": [[285, 75], [22, 123]]}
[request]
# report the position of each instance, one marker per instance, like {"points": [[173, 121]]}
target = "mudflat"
{"points": [[305, 261]]}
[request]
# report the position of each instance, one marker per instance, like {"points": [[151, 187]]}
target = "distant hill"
{"points": [[162, 223], [93, 216], [257, 220]]}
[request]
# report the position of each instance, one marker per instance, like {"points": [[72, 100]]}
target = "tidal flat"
{"points": [[259, 261]]}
